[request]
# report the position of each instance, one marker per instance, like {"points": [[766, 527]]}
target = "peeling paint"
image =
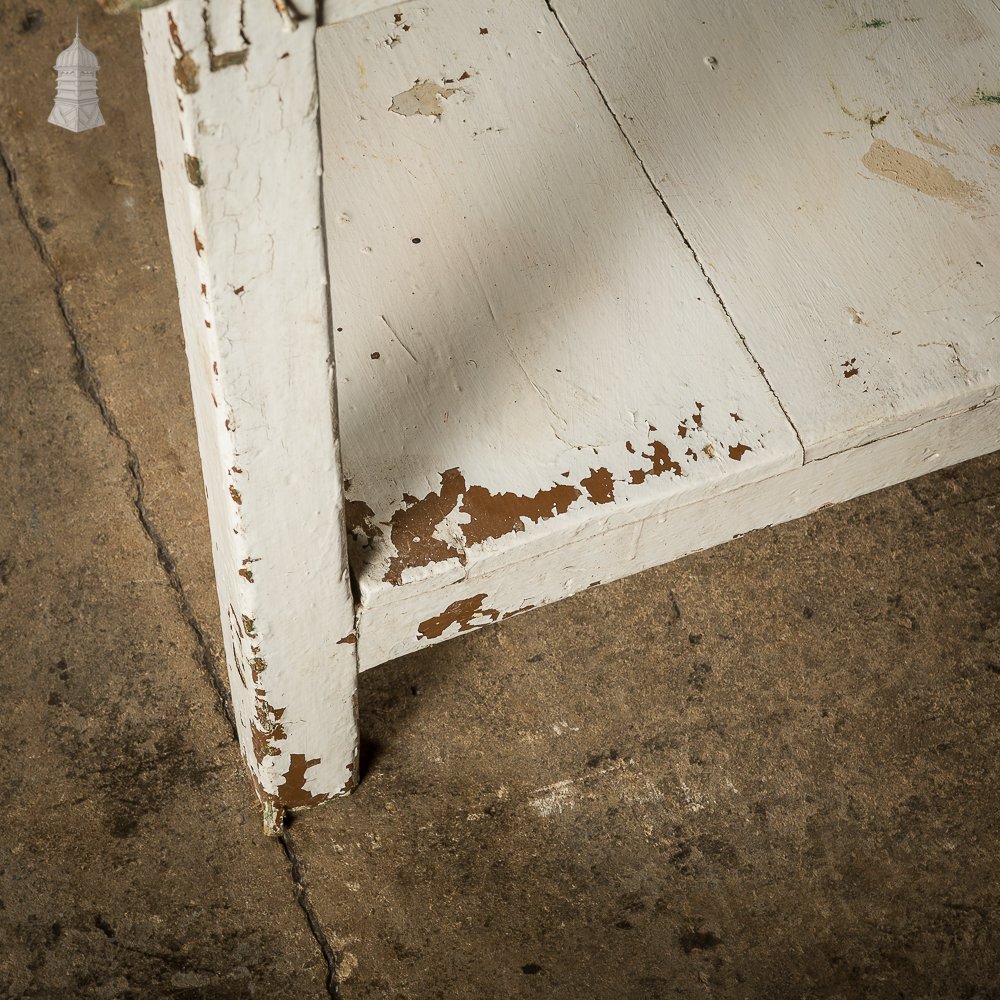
{"points": [[662, 462], [192, 166], [423, 98], [235, 494], [291, 793], [359, 520], [520, 611], [495, 514], [600, 486], [220, 60], [198, 245], [459, 613], [266, 729], [918, 174], [185, 68], [350, 639], [931, 141], [412, 528], [737, 451]]}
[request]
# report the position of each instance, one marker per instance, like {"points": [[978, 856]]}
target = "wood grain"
{"points": [[526, 348], [831, 165]]}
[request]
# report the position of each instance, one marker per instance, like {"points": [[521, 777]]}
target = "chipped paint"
{"points": [[518, 611], [185, 68], [492, 515], [349, 640], [359, 517], [600, 486], [931, 141], [423, 98], [292, 792], [412, 528], [918, 174], [192, 166], [662, 462], [460, 613], [445, 523], [737, 451], [266, 728], [221, 60], [213, 96]]}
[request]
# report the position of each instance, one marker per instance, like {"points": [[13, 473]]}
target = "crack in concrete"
{"points": [[663, 201], [312, 918], [90, 385]]}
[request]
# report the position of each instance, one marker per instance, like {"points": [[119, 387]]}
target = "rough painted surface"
{"points": [[519, 325], [228, 86], [516, 351], [765, 771], [388, 630], [833, 172]]}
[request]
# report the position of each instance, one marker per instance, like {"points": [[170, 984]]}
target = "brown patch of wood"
{"points": [[662, 462], [600, 486], [292, 792], [412, 529], [459, 613], [496, 514]]}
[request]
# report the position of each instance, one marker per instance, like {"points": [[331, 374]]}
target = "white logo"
{"points": [[76, 106]]}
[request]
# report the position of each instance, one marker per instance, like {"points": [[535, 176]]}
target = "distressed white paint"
{"points": [[837, 169], [551, 321], [513, 299], [237, 139], [550, 312], [387, 631]]}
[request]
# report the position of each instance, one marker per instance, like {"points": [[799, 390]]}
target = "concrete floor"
{"points": [[768, 770]]}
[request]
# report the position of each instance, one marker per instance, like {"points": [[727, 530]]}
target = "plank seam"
{"points": [[677, 225], [989, 401]]}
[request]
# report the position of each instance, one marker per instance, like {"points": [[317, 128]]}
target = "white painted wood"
{"points": [[343, 10], [234, 104], [387, 631], [539, 388], [836, 167], [521, 329]]}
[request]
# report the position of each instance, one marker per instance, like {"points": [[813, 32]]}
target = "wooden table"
{"points": [[607, 284]]}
